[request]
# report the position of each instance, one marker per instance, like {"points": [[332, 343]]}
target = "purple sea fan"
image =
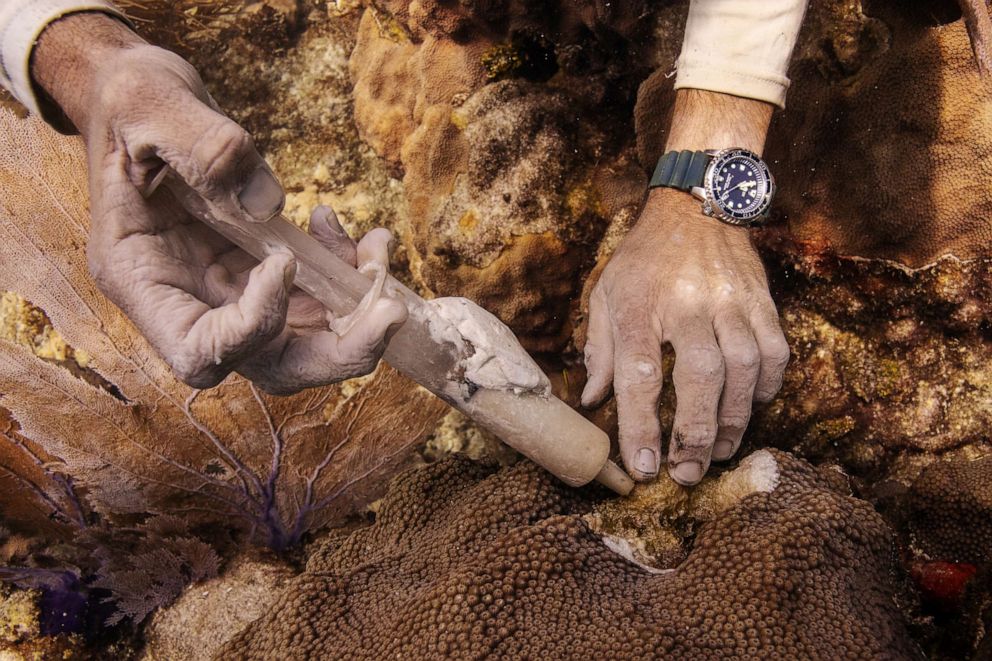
{"points": [[143, 442]]}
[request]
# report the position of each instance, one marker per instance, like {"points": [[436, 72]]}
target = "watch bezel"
{"points": [[711, 205]]}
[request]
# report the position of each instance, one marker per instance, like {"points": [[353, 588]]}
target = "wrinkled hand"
{"points": [[688, 280], [206, 306]]}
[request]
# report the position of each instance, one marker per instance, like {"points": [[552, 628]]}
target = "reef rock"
{"points": [[209, 614], [470, 563], [889, 367], [509, 187]]}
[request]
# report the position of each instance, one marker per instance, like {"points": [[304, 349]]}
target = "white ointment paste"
{"points": [[497, 360]]}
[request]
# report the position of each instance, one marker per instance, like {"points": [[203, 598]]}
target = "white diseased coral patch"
{"points": [[762, 471], [633, 551]]}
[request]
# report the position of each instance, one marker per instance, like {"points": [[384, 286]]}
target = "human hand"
{"points": [[689, 280], [206, 306]]}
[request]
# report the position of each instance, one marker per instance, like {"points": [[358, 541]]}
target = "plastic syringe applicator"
{"points": [[538, 425]]}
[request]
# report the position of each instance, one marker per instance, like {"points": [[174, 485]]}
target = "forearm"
{"points": [[712, 120], [69, 54], [22, 24]]}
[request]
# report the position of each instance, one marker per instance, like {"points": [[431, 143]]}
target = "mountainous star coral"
{"points": [[469, 562]]}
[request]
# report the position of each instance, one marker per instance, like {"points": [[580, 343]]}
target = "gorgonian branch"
{"points": [[979, 24]]}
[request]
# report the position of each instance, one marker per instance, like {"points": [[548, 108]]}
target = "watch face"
{"points": [[740, 185]]}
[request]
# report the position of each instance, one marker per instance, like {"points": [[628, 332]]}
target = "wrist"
{"points": [[712, 120], [665, 206], [70, 55], [674, 213]]}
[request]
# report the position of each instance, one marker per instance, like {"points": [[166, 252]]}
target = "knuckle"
{"points": [[734, 421], [353, 362], [693, 436], [742, 358], [276, 388], [724, 291], [639, 369], [357, 367], [686, 293], [195, 374], [777, 352], [220, 148], [705, 364]]}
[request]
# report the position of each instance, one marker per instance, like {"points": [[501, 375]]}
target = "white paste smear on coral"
{"points": [[498, 361]]}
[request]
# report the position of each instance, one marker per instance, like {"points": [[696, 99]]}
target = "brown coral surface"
{"points": [[950, 512], [470, 563]]}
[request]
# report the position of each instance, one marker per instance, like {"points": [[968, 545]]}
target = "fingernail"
{"points": [[325, 215], [687, 473], [722, 450], [262, 196], [332, 221], [289, 275], [646, 461], [586, 397]]}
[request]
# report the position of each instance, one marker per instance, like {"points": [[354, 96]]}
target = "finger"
{"points": [[774, 351], [741, 364], [374, 248], [314, 360], [598, 351], [698, 376], [637, 384], [212, 154], [222, 337], [373, 259], [324, 227]]}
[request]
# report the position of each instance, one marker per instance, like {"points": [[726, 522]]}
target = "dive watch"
{"points": [[735, 185]]}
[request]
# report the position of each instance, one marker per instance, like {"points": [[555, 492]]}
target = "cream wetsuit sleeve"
{"points": [[740, 47], [21, 23]]}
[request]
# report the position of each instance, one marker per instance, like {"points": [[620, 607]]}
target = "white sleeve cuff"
{"points": [[730, 78], [740, 47], [21, 23]]}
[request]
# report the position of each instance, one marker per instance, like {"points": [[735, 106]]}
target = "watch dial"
{"points": [[740, 185]]}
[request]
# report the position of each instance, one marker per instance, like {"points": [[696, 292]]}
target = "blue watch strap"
{"points": [[680, 169]]}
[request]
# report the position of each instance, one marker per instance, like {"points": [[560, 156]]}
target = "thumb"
{"points": [[374, 248], [213, 155]]}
